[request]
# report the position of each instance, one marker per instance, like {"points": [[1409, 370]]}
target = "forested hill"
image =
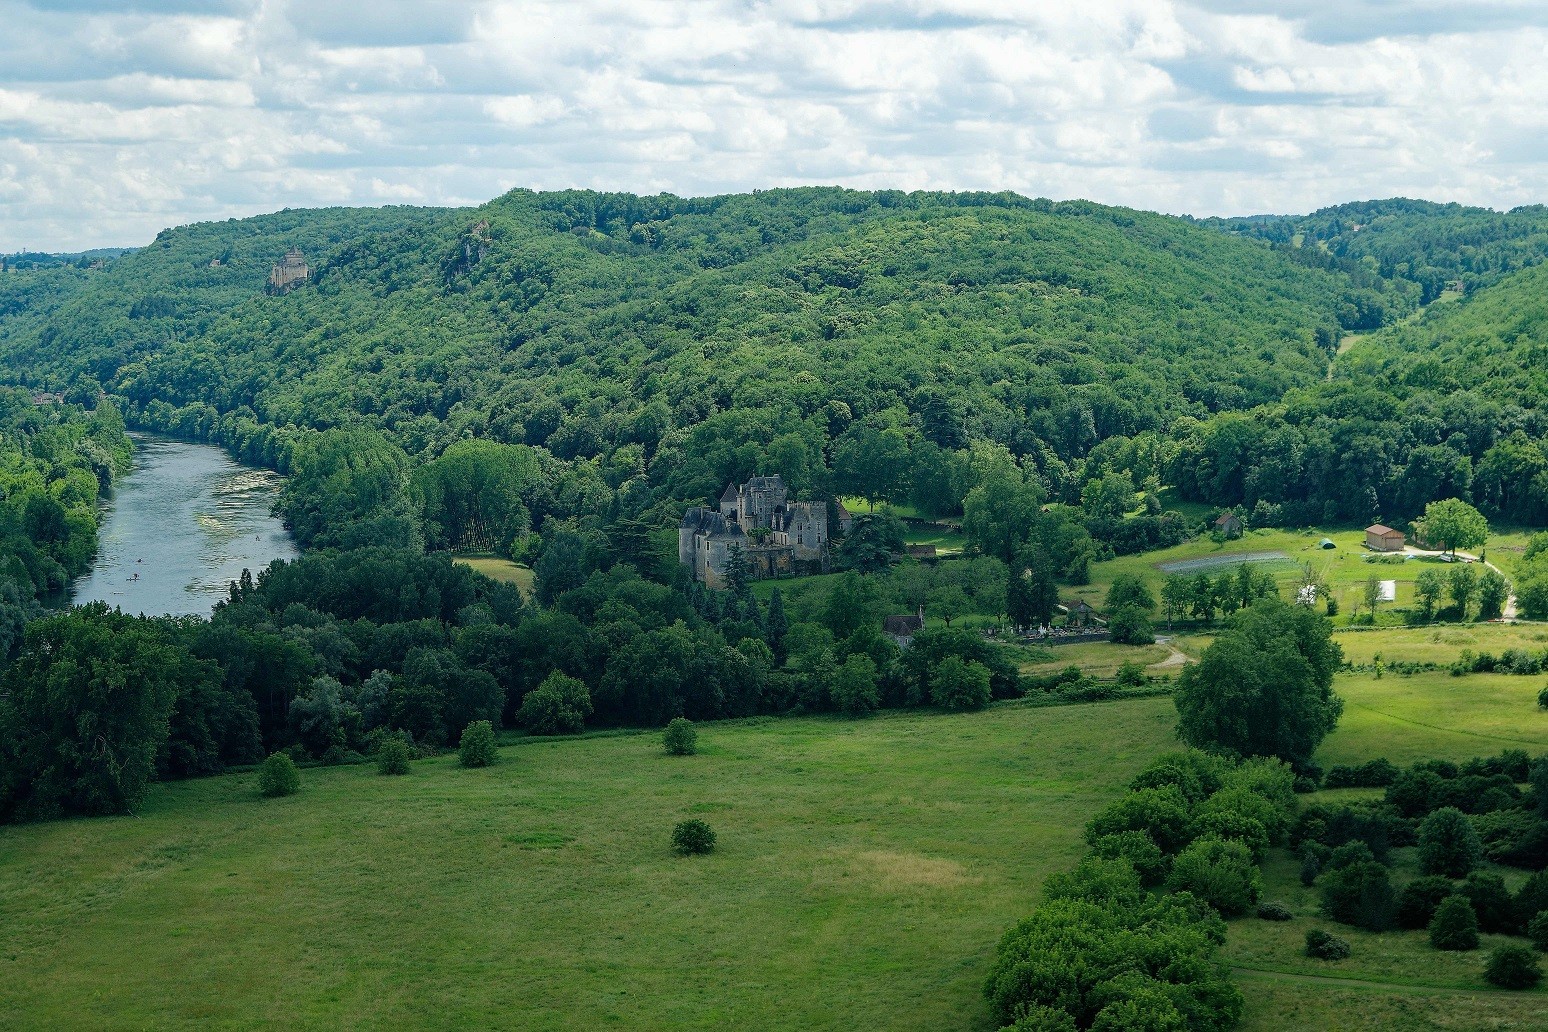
{"points": [[1450, 403], [1495, 342], [1418, 247], [616, 326]]}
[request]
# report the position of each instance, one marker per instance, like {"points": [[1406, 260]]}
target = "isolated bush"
{"points": [[692, 837], [680, 738], [1448, 844], [1359, 894], [1325, 945], [278, 776], [392, 756], [1139, 849], [1418, 900], [1455, 926], [477, 748], [558, 706], [1537, 931], [1513, 967], [1542, 699], [1272, 910], [1220, 872]]}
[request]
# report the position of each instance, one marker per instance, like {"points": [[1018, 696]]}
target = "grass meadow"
{"points": [[864, 874]]}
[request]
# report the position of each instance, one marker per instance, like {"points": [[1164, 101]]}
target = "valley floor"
{"points": [[864, 873]]}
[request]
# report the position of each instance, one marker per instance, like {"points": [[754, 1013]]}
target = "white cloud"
{"points": [[118, 118]]}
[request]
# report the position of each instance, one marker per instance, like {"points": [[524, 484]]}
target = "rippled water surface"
{"points": [[180, 528]]}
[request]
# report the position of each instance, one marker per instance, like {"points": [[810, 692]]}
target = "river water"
{"points": [[180, 528]]}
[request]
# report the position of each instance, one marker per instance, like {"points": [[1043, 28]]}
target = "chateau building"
{"points": [[288, 273], [776, 535]]}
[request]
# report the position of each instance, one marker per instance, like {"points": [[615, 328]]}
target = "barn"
{"points": [[1383, 539]]}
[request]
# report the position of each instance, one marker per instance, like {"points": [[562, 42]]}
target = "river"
{"points": [[180, 528]]}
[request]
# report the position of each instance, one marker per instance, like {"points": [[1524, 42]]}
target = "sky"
{"points": [[121, 117]]}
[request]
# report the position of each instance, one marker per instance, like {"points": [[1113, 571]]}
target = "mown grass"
{"points": [[1097, 658], [1439, 643], [502, 570], [1435, 715], [864, 872]]}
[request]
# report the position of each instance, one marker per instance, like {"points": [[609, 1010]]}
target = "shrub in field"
{"points": [[1272, 910], [1537, 931], [1103, 962], [1418, 900], [1044, 1019], [1492, 903], [1220, 872], [1359, 894], [477, 748], [692, 837], [680, 738], [278, 776], [1542, 699], [392, 756], [1455, 926], [1448, 844], [1325, 945], [1513, 967], [1532, 899], [1196, 774]]}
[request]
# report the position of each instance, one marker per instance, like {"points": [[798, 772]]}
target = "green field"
{"points": [[1413, 718], [864, 874], [502, 570]]}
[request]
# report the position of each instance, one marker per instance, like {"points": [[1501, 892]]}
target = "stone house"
{"points": [[778, 536], [288, 273]]}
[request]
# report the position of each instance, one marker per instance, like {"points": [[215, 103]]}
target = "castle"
{"points": [[776, 535], [288, 273]]}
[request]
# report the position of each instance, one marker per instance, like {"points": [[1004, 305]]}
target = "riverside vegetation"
{"points": [[549, 379]]}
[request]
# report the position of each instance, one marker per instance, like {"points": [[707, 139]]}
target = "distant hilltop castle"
{"points": [[776, 535], [288, 273]]}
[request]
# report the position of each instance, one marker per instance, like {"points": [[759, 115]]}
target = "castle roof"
{"points": [[729, 494], [774, 483]]}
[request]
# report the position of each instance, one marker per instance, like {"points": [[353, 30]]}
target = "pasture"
{"points": [[864, 874]]}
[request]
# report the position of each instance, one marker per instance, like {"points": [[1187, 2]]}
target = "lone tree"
{"points": [[1265, 687], [278, 776], [1454, 524], [477, 747], [680, 737], [693, 837]]}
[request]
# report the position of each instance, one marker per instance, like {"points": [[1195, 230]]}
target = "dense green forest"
{"points": [[1419, 247]]}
